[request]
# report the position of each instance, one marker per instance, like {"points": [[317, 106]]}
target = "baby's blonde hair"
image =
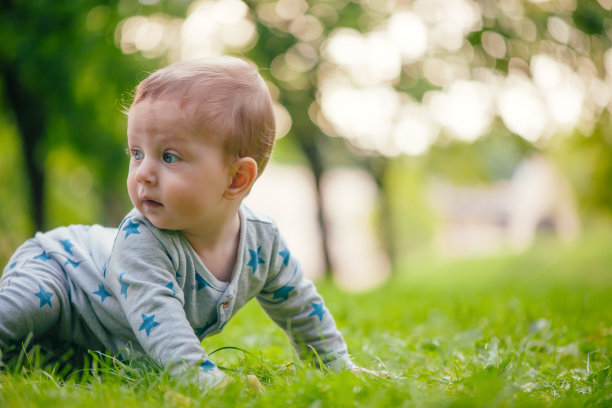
{"points": [[223, 97]]}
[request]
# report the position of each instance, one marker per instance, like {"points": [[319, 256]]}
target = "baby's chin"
{"points": [[160, 225], [155, 220]]}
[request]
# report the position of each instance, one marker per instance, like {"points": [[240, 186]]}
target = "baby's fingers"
{"points": [[361, 370], [254, 383], [251, 380]]}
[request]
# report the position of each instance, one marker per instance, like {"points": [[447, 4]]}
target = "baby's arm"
{"points": [[294, 304], [142, 277]]}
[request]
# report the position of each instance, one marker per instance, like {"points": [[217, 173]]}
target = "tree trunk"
{"points": [[378, 168], [312, 153], [30, 119]]}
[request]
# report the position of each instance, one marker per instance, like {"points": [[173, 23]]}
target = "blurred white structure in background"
{"points": [[473, 219], [540, 193], [349, 198], [287, 193], [477, 220], [487, 219]]}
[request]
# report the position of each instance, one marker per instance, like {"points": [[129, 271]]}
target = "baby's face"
{"points": [[177, 179]]}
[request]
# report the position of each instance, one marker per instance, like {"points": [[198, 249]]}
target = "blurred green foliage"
{"points": [[65, 82], [587, 161]]}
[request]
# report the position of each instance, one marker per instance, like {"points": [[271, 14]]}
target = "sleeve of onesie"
{"points": [[141, 275], [294, 304]]}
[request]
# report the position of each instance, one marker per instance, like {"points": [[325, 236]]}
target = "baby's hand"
{"points": [[251, 380], [254, 383], [361, 371]]}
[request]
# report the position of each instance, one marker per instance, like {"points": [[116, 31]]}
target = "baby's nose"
{"points": [[146, 173]]}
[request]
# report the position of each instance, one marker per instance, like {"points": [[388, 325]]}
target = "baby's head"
{"points": [[224, 98], [199, 134]]}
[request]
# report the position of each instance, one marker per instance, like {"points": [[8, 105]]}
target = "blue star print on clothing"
{"points": [[131, 228], [124, 285], [285, 254], [201, 282], [43, 256], [318, 310], [255, 259], [102, 292], [44, 296], [71, 262], [208, 365], [148, 322], [283, 293], [170, 286], [67, 245]]}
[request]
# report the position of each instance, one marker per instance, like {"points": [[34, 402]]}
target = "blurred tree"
{"points": [[62, 77], [63, 69], [587, 161], [298, 89]]}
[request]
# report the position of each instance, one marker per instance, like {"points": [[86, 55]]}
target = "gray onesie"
{"points": [[154, 296]]}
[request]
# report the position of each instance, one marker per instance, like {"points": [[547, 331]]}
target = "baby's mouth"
{"points": [[151, 203]]}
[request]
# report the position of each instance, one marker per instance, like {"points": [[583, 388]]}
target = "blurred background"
{"points": [[442, 128]]}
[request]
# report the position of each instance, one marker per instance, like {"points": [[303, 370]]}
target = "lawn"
{"points": [[515, 330]]}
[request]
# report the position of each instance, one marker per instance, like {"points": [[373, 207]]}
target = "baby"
{"points": [[190, 254]]}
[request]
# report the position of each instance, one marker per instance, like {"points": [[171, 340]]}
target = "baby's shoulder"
{"points": [[134, 225], [136, 231], [256, 220]]}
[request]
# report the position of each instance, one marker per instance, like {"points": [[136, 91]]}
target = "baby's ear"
{"points": [[244, 173]]}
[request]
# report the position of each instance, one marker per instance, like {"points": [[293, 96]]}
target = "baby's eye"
{"points": [[170, 158], [137, 154]]}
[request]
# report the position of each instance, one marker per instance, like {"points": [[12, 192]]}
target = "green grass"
{"points": [[528, 330]]}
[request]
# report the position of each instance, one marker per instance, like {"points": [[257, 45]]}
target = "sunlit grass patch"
{"points": [[516, 330]]}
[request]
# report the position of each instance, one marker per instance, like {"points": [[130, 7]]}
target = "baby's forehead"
{"points": [[168, 116], [160, 115], [190, 108]]}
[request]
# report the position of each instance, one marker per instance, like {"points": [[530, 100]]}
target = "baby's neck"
{"points": [[218, 253]]}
